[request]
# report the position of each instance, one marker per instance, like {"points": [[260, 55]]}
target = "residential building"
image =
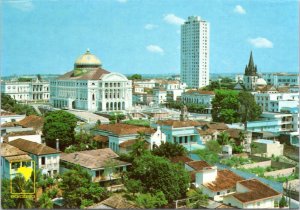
{"points": [[274, 102], [12, 133], [195, 49], [46, 158], [35, 90], [12, 159], [159, 95], [200, 97], [252, 194], [268, 148], [213, 182], [101, 164], [121, 137], [90, 87], [6, 117], [145, 83], [281, 79], [179, 131]]}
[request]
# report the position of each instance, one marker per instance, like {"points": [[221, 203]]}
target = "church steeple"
{"points": [[251, 68]]}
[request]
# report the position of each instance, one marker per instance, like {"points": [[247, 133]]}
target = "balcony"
{"points": [[106, 178]]}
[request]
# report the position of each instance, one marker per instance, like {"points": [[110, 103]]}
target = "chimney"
{"points": [[57, 144]]}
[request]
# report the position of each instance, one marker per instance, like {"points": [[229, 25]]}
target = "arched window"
{"points": [[93, 97]]}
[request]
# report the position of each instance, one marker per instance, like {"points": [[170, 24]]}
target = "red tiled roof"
{"points": [[93, 74], [226, 179], [180, 159], [93, 159], [125, 129], [32, 121], [101, 138], [5, 113], [257, 191], [208, 131], [33, 147], [129, 143], [178, 123], [203, 92], [198, 164], [217, 126]]}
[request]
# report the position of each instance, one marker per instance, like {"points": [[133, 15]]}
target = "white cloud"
{"points": [[23, 5], [122, 1], [150, 26], [239, 9], [173, 19], [261, 42], [155, 49]]}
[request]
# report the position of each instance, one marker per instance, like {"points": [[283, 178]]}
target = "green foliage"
{"points": [[158, 174], [249, 109], [223, 138], [207, 155], [135, 77], [139, 147], [19, 185], [83, 141], [225, 106], [214, 85], [79, 190], [167, 149], [23, 79], [11, 105], [151, 201], [133, 186], [197, 199], [45, 202], [59, 125], [236, 161], [116, 118], [145, 123], [213, 146], [283, 202], [6, 201], [231, 106]]}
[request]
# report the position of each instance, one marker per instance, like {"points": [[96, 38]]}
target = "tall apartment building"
{"points": [[195, 52]]}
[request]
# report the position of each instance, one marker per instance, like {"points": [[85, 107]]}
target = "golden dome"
{"points": [[87, 60]]}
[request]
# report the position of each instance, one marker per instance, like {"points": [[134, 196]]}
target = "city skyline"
{"points": [[46, 37]]}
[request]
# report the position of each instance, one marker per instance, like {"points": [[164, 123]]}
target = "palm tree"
{"points": [[20, 185], [223, 138], [45, 202]]}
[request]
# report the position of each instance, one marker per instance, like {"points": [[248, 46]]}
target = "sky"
{"points": [[143, 36]]}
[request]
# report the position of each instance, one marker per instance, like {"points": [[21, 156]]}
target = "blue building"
{"points": [[46, 158], [101, 164], [12, 159]]}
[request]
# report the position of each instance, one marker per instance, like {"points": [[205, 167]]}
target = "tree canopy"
{"points": [[78, 189], [167, 149], [231, 106], [9, 104], [158, 174], [59, 125], [135, 77]]}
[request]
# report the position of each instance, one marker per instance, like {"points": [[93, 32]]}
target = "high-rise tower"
{"points": [[195, 52]]}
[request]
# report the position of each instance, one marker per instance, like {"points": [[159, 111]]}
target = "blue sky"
{"points": [[143, 36]]}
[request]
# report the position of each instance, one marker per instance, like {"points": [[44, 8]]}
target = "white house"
{"points": [[216, 183], [281, 79], [252, 194], [122, 136], [159, 95], [274, 102]]}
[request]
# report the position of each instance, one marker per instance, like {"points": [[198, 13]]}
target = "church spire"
{"points": [[251, 69]]}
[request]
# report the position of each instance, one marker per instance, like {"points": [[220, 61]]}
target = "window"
{"points": [[43, 160], [218, 193]]}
